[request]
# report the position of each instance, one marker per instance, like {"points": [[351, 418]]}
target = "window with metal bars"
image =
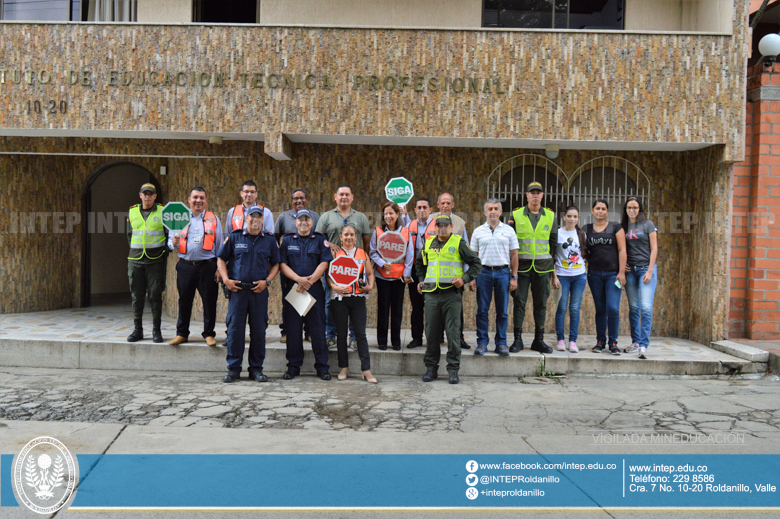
{"points": [[608, 177]]}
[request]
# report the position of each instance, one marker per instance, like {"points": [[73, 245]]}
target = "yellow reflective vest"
{"points": [[148, 235], [534, 243], [443, 265]]}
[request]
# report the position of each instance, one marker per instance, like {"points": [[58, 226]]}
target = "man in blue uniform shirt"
{"points": [[254, 263], [304, 260]]}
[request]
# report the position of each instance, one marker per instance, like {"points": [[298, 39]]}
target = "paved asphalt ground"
{"points": [[118, 412]]}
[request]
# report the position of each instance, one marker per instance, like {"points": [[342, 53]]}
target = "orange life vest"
{"points": [[209, 230], [238, 216], [361, 258], [430, 231], [396, 269]]}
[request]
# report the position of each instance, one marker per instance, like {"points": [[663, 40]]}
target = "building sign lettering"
{"points": [[254, 80]]}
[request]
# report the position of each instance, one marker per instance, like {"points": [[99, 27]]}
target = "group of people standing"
{"points": [[501, 261], [618, 254]]}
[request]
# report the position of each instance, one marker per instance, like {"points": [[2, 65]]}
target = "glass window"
{"points": [[110, 10], [554, 14], [219, 11], [37, 10]]}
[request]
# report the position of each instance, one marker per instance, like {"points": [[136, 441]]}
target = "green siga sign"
{"points": [[399, 190], [175, 216]]}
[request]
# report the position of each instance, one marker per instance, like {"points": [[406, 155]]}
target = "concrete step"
{"points": [[668, 357], [742, 351]]}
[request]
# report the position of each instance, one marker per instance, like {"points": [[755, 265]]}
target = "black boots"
{"points": [[539, 345], [138, 331], [517, 345], [156, 333]]}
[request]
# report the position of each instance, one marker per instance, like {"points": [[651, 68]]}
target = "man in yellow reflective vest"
{"points": [[440, 266], [537, 235], [146, 261]]}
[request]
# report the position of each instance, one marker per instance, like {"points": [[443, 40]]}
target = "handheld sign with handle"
{"points": [[399, 190], [391, 246], [344, 270], [175, 216]]}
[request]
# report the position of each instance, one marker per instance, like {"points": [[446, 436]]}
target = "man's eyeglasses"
{"points": [[299, 198]]}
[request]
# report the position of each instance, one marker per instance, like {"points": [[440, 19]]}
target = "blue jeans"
{"points": [[489, 281], [606, 299], [574, 286], [330, 325], [640, 303]]}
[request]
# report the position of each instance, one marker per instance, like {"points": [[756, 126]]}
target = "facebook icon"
{"points": [[472, 466]]}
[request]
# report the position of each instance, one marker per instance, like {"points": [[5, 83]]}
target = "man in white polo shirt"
{"points": [[496, 244]]}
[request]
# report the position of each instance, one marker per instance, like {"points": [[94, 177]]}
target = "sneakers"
{"points": [[598, 348], [613, 349], [481, 349], [331, 343], [561, 346], [632, 349], [502, 350], [353, 344], [573, 347], [642, 352], [283, 339]]}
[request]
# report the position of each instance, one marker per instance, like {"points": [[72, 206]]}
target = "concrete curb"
{"points": [[197, 357]]}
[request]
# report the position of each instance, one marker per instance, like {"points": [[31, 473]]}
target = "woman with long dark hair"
{"points": [[348, 303], [606, 274], [641, 273], [391, 278], [570, 276]]}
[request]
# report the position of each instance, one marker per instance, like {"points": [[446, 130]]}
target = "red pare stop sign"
{"points": [[391, 246], [344, 270]]}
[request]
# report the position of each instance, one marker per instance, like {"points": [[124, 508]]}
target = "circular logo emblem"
{"points": [[155, 219], [45, 475], [452, 250]]}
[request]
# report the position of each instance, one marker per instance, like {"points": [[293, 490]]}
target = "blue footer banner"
{"points": [[405, 481]]}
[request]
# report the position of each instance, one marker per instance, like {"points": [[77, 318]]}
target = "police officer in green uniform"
{"points": [[440, 264], [537, 234], [146, 261]]}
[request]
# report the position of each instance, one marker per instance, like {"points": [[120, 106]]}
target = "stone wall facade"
{"points": [[42, 271], [362, 82]]}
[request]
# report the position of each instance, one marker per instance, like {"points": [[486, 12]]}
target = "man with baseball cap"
{"points": [[253, 257], [304, 258], [146, 261], [440, 266], [537, 234]]}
